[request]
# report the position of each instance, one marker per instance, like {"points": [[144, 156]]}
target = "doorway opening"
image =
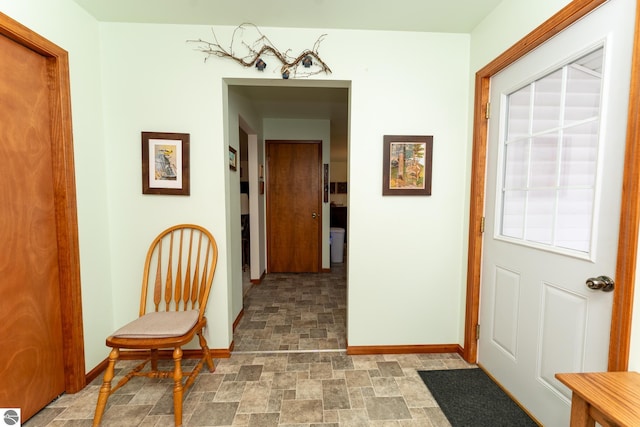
{"points": [[317, 110]]}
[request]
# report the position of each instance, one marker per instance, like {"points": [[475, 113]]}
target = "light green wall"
{"points": [[404, 276], [238, 110], [154, 80], [510, 21], [407, 255]]}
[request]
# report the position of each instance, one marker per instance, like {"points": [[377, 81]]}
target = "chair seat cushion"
{"points": [[159, 325]]}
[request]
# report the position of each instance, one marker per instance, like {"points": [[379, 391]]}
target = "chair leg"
{"points": [[105, 389], [177, 386], [206, 353], [154, 359]]}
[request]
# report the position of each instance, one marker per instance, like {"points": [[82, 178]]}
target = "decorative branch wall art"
{"points": [[306, 64]]}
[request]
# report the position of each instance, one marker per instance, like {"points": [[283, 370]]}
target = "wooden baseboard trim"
{"points": [[96, 372], [404, 349], [238, 318], [258, 281], [220, 353]]}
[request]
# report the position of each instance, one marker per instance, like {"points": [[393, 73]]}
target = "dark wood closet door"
{"points": [[294, 189]]}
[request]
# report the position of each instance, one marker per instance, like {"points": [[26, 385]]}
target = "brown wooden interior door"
{"points": [[32, 371], [294, 190]]}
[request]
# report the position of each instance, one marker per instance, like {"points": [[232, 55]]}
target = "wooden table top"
{"points": [[615, 394]]}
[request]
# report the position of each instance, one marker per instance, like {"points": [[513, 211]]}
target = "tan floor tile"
{"points": [[331, 417], [264, 420], [241, 419], [255, 397], [301, 411], [356, 398], [359, 378], [353, 418], [387, 408], [284, 380], [385, 387], [309, 390], [207, 383], [230, 391], [213, 414], [335, 394], [415, 393], [320, 371]]}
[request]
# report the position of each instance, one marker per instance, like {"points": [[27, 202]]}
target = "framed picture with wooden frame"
{"points": [[407, 165], [165, 163], [233, 158]]}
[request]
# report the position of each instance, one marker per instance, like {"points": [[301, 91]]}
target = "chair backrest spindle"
{"points": [[178, 286], [193, 283], [179, 269], [157, 288], [168, 287], [187, 276], [203, 253]]}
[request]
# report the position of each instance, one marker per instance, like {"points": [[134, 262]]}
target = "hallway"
{"points": [[294, 312]]}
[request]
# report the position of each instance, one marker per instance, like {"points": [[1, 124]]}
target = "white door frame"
{"points": [[630, 212]]}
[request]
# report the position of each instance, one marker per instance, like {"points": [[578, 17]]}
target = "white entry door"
{"points": [[554, 172]]}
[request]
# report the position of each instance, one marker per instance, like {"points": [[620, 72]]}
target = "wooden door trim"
{"points": [[630, 212], [64, 189], [621, 315], [320, 179]]}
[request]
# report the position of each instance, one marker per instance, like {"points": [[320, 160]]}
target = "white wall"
{"points": [[290, 129], [64, 23]]}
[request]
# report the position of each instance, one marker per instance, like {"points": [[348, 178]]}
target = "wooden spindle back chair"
{"points": [[177, 277]]}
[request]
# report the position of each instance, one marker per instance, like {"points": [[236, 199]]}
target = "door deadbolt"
{"points": [[603, 283]]}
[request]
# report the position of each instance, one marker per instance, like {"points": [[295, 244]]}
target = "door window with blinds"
{"points": [[550, 155]]}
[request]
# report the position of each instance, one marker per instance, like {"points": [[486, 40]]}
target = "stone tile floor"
{"points": [[288, 369], [294, 312]]}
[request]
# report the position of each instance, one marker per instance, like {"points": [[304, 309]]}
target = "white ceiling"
{"points": [[456, 16]]}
